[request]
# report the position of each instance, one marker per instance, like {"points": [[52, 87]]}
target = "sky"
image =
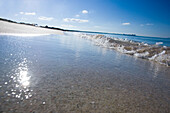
{"points": [[141, 17]]}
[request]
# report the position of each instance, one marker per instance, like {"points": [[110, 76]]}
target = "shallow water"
{"points": [[59, 73], [145, 39], [157, 53], [141, 39]]}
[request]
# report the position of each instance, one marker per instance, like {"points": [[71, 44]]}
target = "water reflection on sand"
{"points": [[19, 81], [68, 74]]}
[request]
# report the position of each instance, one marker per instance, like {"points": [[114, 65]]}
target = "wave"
{"points": [[157, 53]]}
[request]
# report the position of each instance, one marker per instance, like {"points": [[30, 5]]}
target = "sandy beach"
{"points": [[14, 28]]}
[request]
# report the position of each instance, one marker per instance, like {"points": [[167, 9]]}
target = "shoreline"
{"points": [[67, 74], [156, 53], [15, 28]]}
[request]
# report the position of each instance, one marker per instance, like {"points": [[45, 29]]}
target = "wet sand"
{"points": [[90, 92]]}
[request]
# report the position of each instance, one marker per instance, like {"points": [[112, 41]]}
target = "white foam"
{"points": [[159, 43], [153, 57], [120, 44], [141, 55]]}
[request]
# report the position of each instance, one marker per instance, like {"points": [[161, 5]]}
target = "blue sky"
{"points": [[142, 17]]}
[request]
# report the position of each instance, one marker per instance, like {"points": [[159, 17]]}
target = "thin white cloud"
{"points": [[46, 18], [84, 11], [126, 23], [27, 13], [21, 13], [67, 25], [75, 20], [33, 13], [77, 15], [149, 24], [141, 25]]}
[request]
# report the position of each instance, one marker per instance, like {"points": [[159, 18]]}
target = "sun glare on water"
{"points": [[21, 82], [23, 78]]}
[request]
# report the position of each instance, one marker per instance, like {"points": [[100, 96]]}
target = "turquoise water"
{"points": [[148, 40], [144, 39], [34, 70]]}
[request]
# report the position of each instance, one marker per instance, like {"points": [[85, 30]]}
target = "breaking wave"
{"points": [[160, 54]]}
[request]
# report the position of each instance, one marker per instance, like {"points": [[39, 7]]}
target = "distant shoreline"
{"points": [[10, 27]]}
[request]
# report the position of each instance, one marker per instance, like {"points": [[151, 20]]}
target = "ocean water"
{"points": [[150, 48], [145, 39], [65, 73], [141, 39]]}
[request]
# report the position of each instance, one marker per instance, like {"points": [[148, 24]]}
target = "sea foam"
{"points": [[160, 54]]}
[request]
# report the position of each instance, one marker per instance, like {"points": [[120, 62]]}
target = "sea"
{"points": [[69, 73]]}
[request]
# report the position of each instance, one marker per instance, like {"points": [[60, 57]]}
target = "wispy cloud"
{"points": [[67, 25], [21, 13], [141, 25], [126, 23], [33, 13], [75, 20], [77, 15], [27, 13], [84, 11], [45, 18], [149, 24]]}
